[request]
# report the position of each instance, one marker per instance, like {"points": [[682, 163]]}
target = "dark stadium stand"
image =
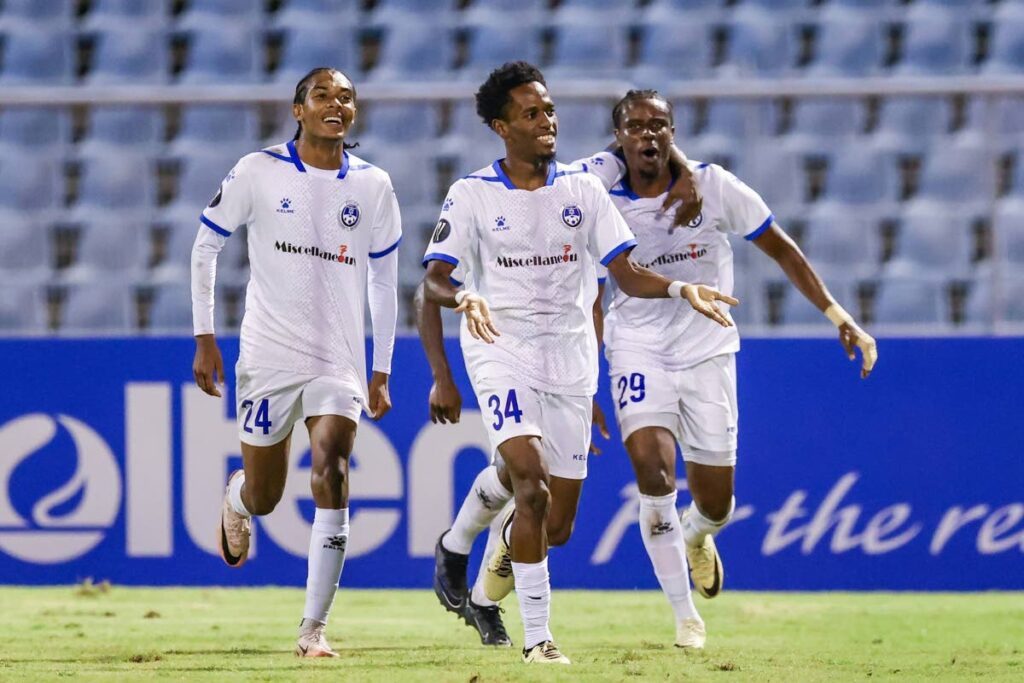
{"points": [[910, 205]]}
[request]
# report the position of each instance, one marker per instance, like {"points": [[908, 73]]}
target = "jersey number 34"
{"points": [[511, 409]]}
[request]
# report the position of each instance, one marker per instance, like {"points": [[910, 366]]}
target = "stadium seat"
{"points": [[25, 249], [44, 131], [170, 311], [322, 44], [901, 301], [590, 49], [800, 313], [415, 184], [682, 12], [669, 52], [594, 11], [749, 289], [847, 43], [1007, 120], [468, 134], [393, 123], [25, 15], [22, 309], [298, 14], [226, 129], [507, 13], [109, 250], [98, 308], [493, 44], [980, 307], [933, 241], [220, 53], [30, 184], [37, 57], [963, 177], [841, 241], [138, 14], [1008, 233], [410, 53], [200, 14], [584, 121], [934, 43], [112, 188], [1013, 299], [822, 124], [1006, 49], [858, 175], [760, 44], [911, 125], [779, 176], [128, 54], [135, 130]]}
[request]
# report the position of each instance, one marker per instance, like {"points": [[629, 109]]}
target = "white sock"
{"points": [[663, 538], [478, 596], [533, 587], [327, 546], [696, 526], [484, 501], [235, 495]]}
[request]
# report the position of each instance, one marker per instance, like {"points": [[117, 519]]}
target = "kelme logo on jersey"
{"points": [[348, 216], [572, 216], [500, 224], [286, 206], [448, 202], [537, 260], [341, 256], [441, 231]]}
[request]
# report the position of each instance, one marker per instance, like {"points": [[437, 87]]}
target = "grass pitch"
{"points": [[247, 634]]}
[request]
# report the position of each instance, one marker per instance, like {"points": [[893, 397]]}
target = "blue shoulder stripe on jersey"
{"points": [[625, 191], [438, 256], [704, 165], [277, 156], [764, 226], [454, 281], [610, 256], [213, 226], [360, 167], [601, 280], [385, 252], [559, 174], [344, 167], [482, 177], [295, 156]]}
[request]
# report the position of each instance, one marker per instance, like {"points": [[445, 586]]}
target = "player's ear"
{"points": [[500, 126], [297, 112]]}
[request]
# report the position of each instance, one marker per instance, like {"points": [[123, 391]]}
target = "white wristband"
{"points": [[675, 289], [460, 295], [838, 315]]}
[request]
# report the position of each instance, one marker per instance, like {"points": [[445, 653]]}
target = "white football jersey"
{"points": [[533, 256], [668, 331], [310, 235]]}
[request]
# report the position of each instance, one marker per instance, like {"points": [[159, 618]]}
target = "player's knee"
{"points": [[653, 479], [262, 502], [718, 509], [533, 499]]}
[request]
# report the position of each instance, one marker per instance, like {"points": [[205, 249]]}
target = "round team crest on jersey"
{"points": [[695, 223], [348, 216], [441, 231], [572, 216]]}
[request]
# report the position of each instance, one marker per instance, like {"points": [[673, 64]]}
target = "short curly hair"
{"points": [[633, 96], [493, 96]]}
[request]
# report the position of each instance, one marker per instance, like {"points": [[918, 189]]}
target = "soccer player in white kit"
{"points": [[531, 232], [323, 228], [673, 375]]}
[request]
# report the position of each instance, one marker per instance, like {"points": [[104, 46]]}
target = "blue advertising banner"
{"points": [[112, 466]]}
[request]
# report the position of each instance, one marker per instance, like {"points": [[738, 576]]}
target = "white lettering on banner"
{"points": [[999, 522], [431, 468], [829, 515], [375, 473], [97, 480], [954, 519], [148, 470], [628, 514]]}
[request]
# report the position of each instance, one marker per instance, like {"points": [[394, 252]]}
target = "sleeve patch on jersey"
{"points": [[213, 226], [628, 244], [216, 198], [764, 226], [441, 231]]}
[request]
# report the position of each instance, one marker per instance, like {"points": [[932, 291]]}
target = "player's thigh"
{"points": [[711, 487], [269, 402], [709, 412], [651, 446], [332, 407], [266, 471]]}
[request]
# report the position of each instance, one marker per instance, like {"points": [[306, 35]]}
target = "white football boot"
{"points": [[690, 634], [234, 531], [706, 570], [544, 653], [312, 642], [498, 579]]}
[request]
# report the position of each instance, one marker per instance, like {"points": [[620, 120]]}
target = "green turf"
{"points": [[235, 634]]}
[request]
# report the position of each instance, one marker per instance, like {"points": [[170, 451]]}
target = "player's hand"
{"points": [[703, 299], [852, 337], [208, 366], [445, 402], [380, 397], [685, 193], [602, 428], [478, 317]]}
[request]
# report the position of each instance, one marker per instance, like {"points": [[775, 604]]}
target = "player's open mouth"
{"points": [[336, 120], [548, 139], [650, 153]]}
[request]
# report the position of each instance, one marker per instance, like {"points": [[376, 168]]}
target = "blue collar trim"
{"points": [[503, 177]]}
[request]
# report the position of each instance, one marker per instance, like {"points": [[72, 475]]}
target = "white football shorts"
{"points": [[509, 408], [270, 402], [698, 404]]}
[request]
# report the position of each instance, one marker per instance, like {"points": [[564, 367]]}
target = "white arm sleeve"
{"points": [[204, 275], [382, 292]]}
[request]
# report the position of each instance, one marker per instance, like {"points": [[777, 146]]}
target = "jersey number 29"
{"points": [[637, 384]]}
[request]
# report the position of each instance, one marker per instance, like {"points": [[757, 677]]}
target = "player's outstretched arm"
{"points": [[683, 192], [445, 401], [438, 288], [777, 244], [207, 365], [635, 280]]}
